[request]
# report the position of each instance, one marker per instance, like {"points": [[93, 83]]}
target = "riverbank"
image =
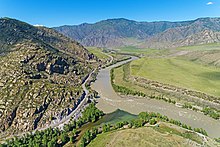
{"points": [[109, 101]]}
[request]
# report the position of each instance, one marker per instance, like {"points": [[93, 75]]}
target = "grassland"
{"points": [[180, 73], [142, 51], [106, 56], [211, 46], [98, 52], [135, 50], [150, 52], [165, 135], [122, 79]]}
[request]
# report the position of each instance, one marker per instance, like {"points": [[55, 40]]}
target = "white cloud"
{"points": [[38, 25], [209, 3]]}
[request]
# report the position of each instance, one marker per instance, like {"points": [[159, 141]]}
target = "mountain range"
{"points": [[161, 34]]}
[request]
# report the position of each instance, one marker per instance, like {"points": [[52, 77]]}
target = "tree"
{"points": [[74, 131], [94, 132], [119, 125], [79, 123], [143, 116], [72, 139], [91, 113], [73, 123], [45, 140], [66, 128], [64, 138], [87, 136], [83, 142], [51, 143], [153, 121], [106, 128], [138, 123]]}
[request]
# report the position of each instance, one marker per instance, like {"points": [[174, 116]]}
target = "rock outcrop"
{"points": [[40, 76]]}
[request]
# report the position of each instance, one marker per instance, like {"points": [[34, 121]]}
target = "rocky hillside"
{"points": [[201, 31], [122, 32], [115, 32], [40, 76], [203, 37]]}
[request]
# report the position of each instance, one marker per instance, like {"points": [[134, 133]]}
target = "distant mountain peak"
{"points": [[122, 32]]}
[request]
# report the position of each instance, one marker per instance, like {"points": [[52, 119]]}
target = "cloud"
{"points": [[209, 3], [38, 25]]}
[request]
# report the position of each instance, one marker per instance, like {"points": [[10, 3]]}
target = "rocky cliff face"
{"points": [[40, 76], [122, 32]]}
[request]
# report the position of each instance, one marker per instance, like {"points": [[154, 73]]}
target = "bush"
{"points": [[153, 121], [64, 138], [211, 112], [187, 105]]}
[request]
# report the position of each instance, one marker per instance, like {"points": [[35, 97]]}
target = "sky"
{"points": [[52, 13]]}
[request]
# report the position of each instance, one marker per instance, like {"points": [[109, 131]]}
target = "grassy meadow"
{"points": [[98, 52], [142, 51], [207, 47], [192, 67], [121, 74], [181, 73], [146, 136]]}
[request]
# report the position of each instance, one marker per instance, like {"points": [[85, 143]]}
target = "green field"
{"points": [[207, 48], [131, 49], [211, 46], [165, 135], [98, 52], [105, 54], [180, 73], [142, 51], [121, 74]]}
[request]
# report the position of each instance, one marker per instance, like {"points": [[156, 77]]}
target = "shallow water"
{"points": [[110, 118], [109, 101]]}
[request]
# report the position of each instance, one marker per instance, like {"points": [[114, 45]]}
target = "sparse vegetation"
{"points": [[211, 112], [40, 76]]}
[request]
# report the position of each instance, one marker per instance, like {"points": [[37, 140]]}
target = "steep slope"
{"points": [[195, 33], [203, 37], [115, 32], [122, 32], [40, 76]]}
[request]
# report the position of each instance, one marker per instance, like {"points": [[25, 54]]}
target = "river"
{"points": [[109, 101]]}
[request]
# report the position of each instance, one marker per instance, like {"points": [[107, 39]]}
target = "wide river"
{"points": [[109, 101]]}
